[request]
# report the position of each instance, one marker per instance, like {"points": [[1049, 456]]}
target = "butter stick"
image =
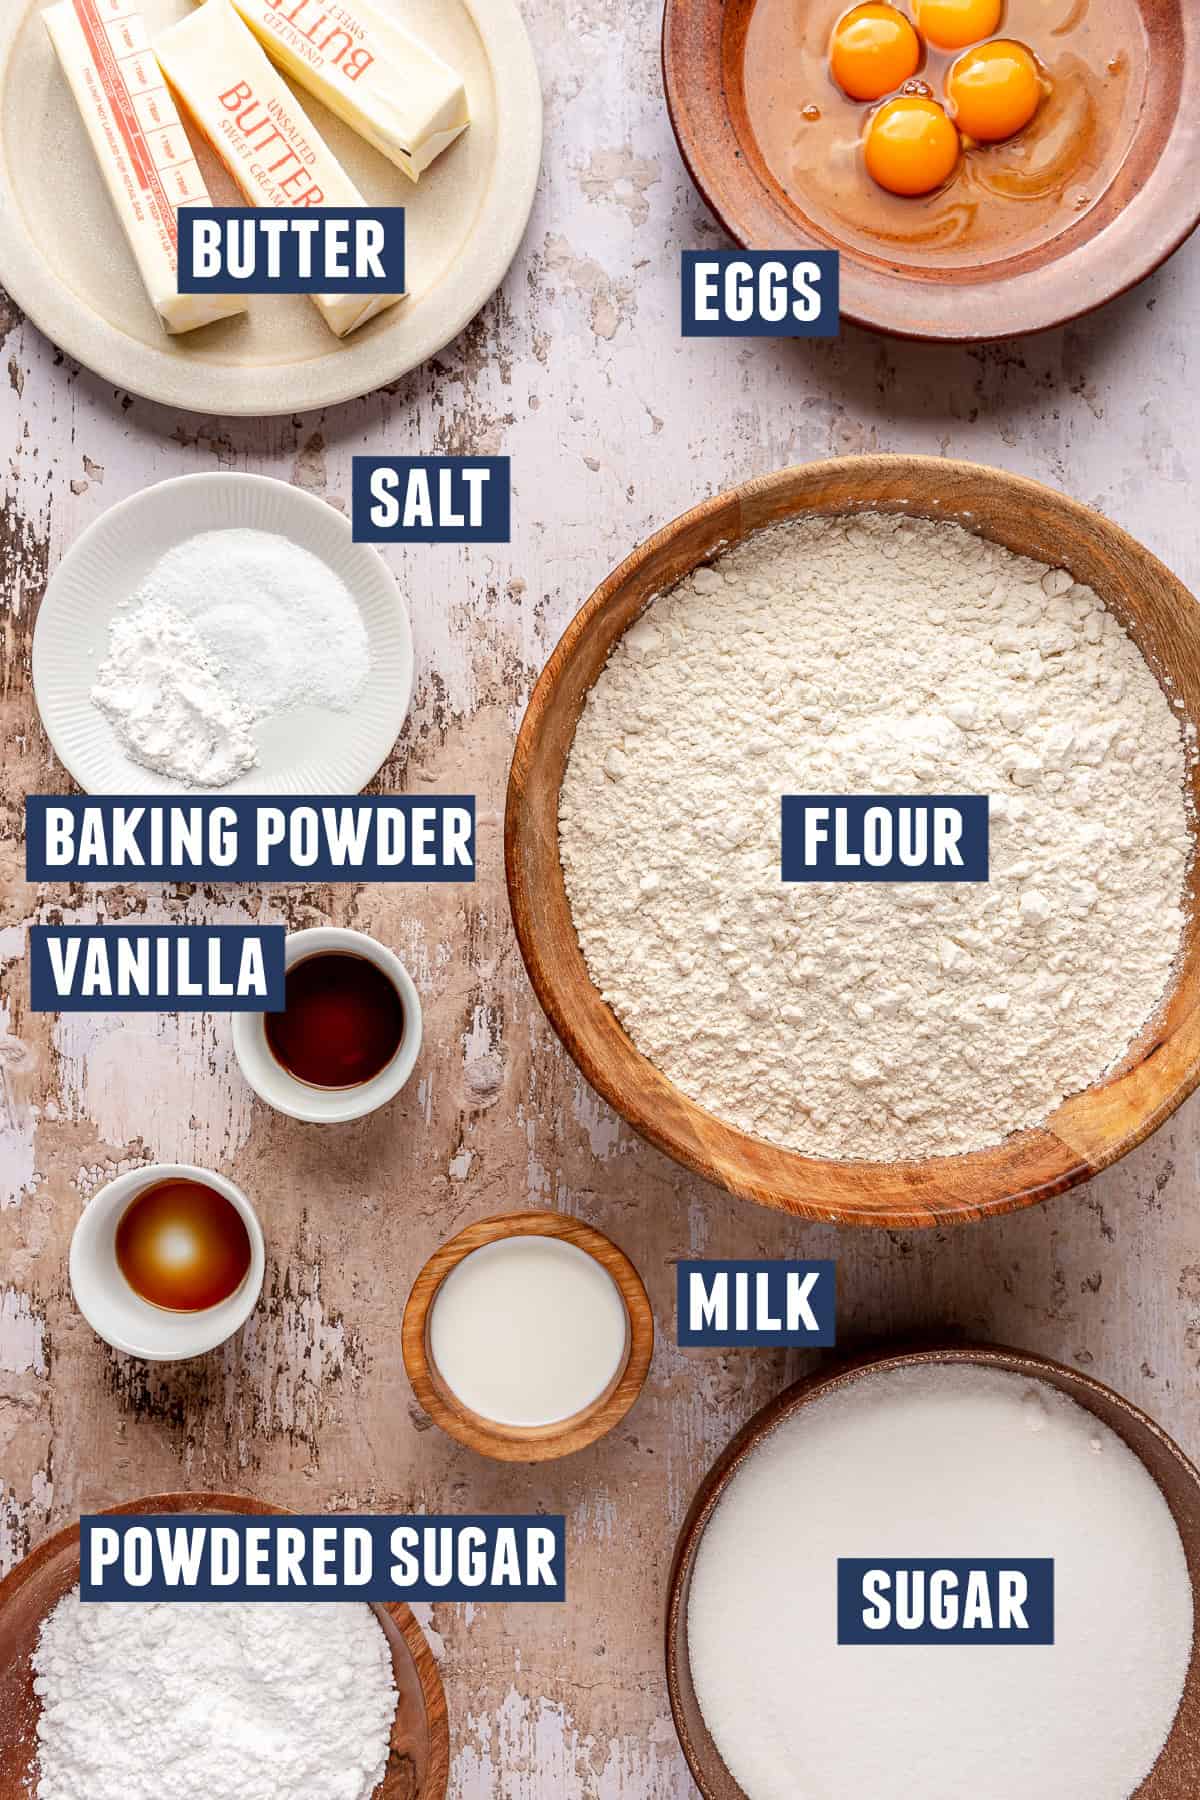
{"points": [[387, 85], [140, 145], [256, 125]]}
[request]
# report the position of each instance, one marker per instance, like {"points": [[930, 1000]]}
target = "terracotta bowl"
{"points": [[528, 1443], [1148, 210], [1176, 1774], [1090, 1130], [419, 1763]]}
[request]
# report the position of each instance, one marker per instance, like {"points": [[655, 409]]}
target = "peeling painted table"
{"points": [[614, 425]]}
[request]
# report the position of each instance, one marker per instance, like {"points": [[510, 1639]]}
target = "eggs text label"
{"points": [[760, 293], [305, 249], [955, 1601]]}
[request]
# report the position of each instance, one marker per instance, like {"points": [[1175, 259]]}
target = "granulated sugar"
{"points": [[229, 629], [940, 1462], [170, 1701], [878, 655]]}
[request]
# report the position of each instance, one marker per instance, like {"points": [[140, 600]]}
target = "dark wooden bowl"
{"points": [[1176, 1774], [1089, 1130], [419, 1761], [527, 1443], [1149, 209]]}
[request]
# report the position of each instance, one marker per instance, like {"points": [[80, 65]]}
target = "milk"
{"points": [[528, 1331]]}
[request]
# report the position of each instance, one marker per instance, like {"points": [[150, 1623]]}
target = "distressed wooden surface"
{"points": [[614, 425]]}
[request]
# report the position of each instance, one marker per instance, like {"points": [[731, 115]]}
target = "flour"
{"points": [[877, 655], [268, 1701], [229, 629], [940, 1463]]}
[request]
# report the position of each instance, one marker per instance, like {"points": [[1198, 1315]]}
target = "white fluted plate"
{"points": [[307, 750]]}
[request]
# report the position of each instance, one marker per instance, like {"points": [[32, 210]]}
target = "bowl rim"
{"points": [[1156, 219], [424, 1662], [528, 1443], [846, 1369], [1041, 1164]]}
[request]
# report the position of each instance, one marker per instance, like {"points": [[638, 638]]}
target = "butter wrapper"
{"points": [[386, 83], [140, 145], [255, 124]]}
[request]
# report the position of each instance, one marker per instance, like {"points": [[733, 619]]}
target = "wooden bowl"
{"points": [[1176, 1774], [527, 1443], [1148, 210], [1089, 1130], [419, 1761]]}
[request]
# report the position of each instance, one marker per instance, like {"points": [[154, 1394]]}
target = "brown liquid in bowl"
{"points": [[1005, 198], [343, 1021], [183, 1246]]}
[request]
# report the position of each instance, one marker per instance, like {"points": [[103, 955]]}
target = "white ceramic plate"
{"points": [[65, 261], [310, 750]]}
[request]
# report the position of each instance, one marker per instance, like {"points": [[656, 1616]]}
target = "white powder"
{"points": [[212, 1702], [940, 1462], [168, 701], [229, 629], [877, 655]]}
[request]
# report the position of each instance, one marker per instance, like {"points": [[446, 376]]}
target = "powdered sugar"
{"points": [[877, 655], [229, 629], [268, 1701]]}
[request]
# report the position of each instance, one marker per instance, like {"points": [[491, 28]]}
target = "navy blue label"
{"points": [[432, 499], [945, 1602], [369, 838], [760, 293], [156, 968], [885, 837], [291, 250], [756, 1303], [202, 1556]]}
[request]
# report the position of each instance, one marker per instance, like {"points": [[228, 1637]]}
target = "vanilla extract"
{"points": [[183, 1246]]}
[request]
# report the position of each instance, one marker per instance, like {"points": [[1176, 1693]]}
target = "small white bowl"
{"points": [[330, 1106], [119, 1315]]}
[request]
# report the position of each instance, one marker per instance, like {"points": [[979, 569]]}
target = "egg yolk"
{"points": [[994, 91], [874, 50], [953, 24], [911, 146]]}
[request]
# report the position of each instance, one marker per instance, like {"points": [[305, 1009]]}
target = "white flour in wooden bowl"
{"points": [[878, 654], [940, 1462]]}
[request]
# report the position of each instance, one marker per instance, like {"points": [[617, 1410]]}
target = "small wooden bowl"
{"points": [[1176, 1774], [419, 1761], [1089, 1130], [1148, 210], [527, 1443]]}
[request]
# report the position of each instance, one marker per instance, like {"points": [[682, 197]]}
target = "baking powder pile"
{"points": [[229, 629], [878, 654], [215, 1702], [942, 1463]]}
